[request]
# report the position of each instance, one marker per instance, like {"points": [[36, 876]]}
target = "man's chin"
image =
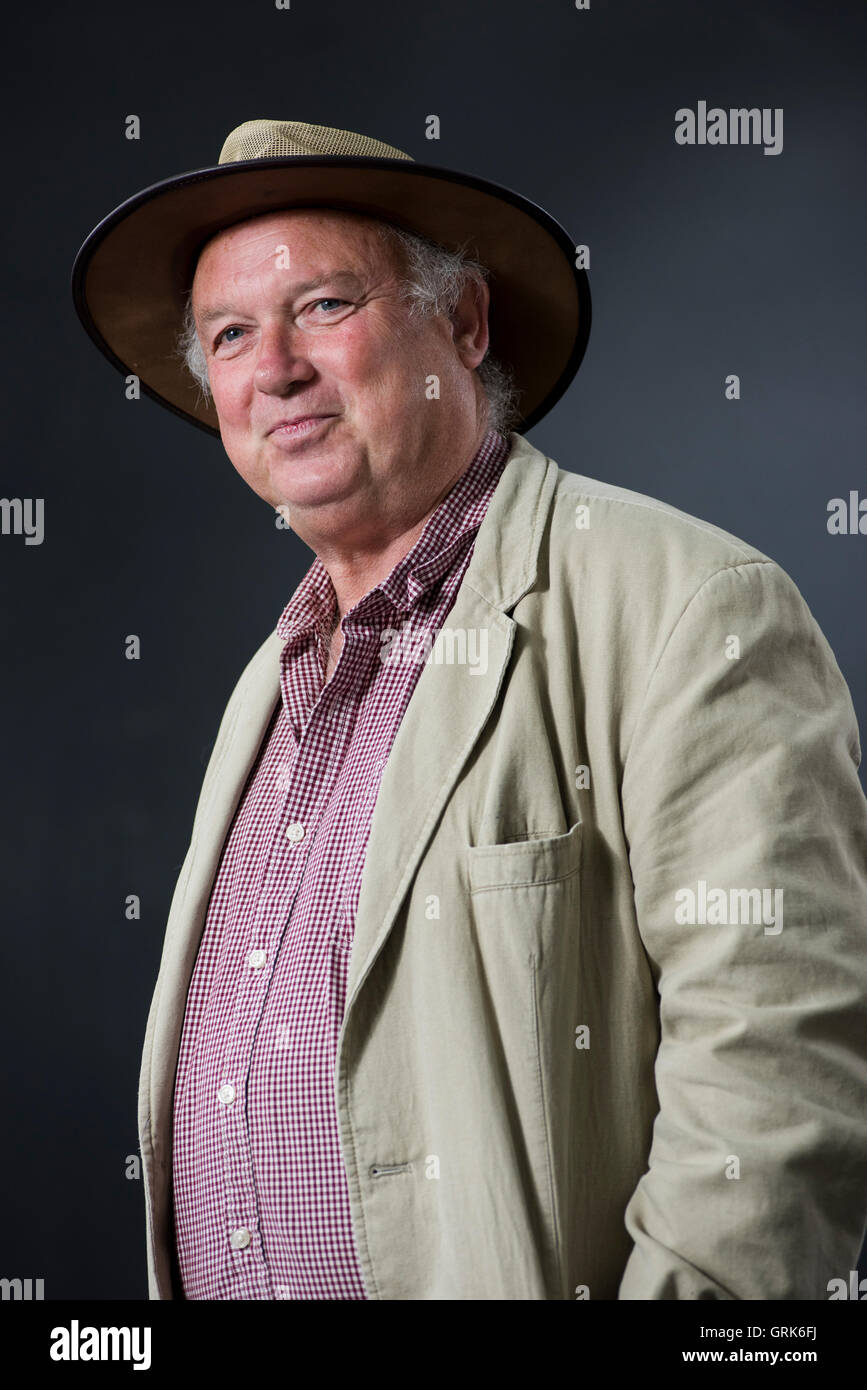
{"points": [[313, 477]]}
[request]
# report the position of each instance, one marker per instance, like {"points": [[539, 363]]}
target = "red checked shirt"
{"points": [[260, 1195]]}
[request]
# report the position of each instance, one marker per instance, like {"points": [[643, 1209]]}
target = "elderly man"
{"points": [[518, 952]]}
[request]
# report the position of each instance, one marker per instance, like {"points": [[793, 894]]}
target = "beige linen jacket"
{"points": [[554, 1080]]}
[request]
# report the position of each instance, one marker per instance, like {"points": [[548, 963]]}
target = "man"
{"points": [[518, 952]]}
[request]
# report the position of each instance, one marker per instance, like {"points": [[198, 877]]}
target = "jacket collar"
{"points": [[505, 559]]}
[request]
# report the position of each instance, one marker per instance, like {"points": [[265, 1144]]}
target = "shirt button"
{"points": [[226, 1095], [240, 1239], [295, 831], [256, 959]]}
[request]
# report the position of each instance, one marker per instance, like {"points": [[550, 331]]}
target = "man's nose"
{"points": [[281, 359]]}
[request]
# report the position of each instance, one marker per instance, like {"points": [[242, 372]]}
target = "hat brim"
{"points": [[133, 272]]}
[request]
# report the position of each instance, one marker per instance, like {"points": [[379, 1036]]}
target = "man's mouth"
{"points": [[292, 429]]}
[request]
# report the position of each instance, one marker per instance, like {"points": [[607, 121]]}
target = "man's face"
{"points": [[319, 375]]}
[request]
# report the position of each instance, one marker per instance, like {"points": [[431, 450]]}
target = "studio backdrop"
{"points": [[707, 163]]}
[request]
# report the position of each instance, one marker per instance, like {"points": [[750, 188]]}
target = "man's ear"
{"points": [[470, 324]]}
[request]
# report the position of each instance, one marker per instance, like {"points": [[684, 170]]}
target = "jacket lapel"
{"points": [[450, 705]]}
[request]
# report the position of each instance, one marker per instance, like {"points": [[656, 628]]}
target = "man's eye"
{"points": [[222, 336], [328, 301]]}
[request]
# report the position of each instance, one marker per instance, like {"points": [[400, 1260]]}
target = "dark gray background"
{"points": [[703, 262]]}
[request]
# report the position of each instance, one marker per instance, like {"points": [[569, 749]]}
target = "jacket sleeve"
{"points": [[741, 775]]}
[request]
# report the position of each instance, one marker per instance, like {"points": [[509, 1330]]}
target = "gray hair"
{"points": [[432, 282]]}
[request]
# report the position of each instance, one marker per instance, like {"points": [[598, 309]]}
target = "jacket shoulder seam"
{"points": [[750, 553]]}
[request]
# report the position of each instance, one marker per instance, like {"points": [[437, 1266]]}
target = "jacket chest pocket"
{"points": [[526, 863], [525, 901]]}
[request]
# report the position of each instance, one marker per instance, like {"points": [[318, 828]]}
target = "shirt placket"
{"points": [[308, 782]]}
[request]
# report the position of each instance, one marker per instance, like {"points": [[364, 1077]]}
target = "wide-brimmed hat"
{"points": [[133, 273]]}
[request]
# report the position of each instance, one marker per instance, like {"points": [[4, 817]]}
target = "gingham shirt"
{"points": [[261, 1203]]}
